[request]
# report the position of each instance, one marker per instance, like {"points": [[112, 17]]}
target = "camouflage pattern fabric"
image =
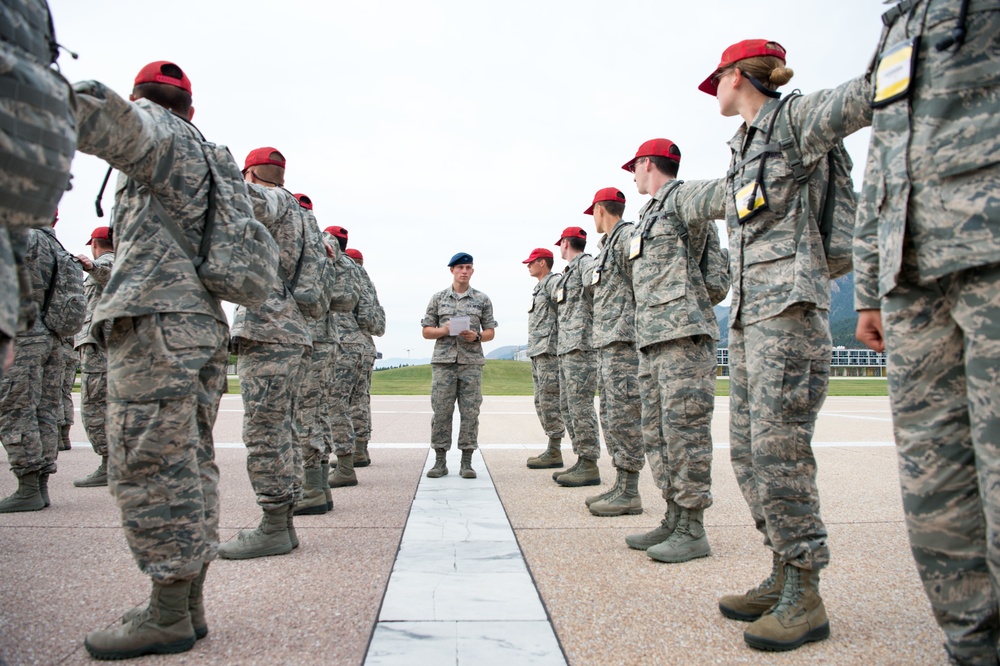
{"points": [[574, 305], [545, 380], [371, 320], [347, 373], [543, 324], [779, 374], [927, 248], [9, 297], [93, 287], [361, 400], [30, 404], [621, 408], [677, 385], [71, 363], [447, 304], [313, 421], [612, 296], [577, 388], [166, 376], [94, 396], [270, 377], [451, 383]]}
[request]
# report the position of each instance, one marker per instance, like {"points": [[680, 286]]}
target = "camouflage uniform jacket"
{"points": [[543, 327], [611, 288], [343, 307], [671, 300], [279, 319], [574, 305], [769, 270], [933, 164], [39, 258], [369, 312], [158, 154], [93, 285], [447, 304]]}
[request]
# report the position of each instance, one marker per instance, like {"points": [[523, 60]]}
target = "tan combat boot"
{"points": [[97, 478], [293, 538], [624, 501], [585, 474], [313, 502], [799, 616], [550, 458], [686, 542], [163, 627], [440, 464], [751, 605], [43, 487], [344, 475], [556, 474], [196, 606], [466, 471], [326, 485], [658, 534], [270, 538], [64, 443], [619, 482], [361, 457], [27, 497]]}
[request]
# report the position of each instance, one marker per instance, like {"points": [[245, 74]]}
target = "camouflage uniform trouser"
{"points": [[943, 344], [94, 395], [677, 384], [29, 405], [545, 377], [9, 300], [71, 362], [166, 376], [779, 375], [270, 377], [451, 383], [347, 379], [312, 417], [361, 401], [577, 388], [621, 408]]}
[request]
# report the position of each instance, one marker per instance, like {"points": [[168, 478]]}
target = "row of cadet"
{"points": [[190, 229]]}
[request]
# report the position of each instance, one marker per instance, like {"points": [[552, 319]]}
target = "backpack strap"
{"points": [[51, 289], [610, 245], [793, 156]]}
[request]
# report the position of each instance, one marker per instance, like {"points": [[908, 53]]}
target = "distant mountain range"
{"points": [[504, 353], [843, 318]]}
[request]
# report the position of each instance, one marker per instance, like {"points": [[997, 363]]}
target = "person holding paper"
{"points": [[459, 319]]}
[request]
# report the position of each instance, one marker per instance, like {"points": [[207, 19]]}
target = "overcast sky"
{"points": [[429, 128]]}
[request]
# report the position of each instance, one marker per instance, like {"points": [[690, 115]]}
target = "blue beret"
{"points": [[460, 258]]}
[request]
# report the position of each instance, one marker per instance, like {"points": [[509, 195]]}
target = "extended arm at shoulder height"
{"points": [[118, 131]]}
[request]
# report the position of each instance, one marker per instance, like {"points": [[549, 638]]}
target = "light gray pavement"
{"points": [[66, 570]]}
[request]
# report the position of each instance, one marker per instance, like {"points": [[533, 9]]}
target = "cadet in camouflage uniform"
{"points": [[93, 356], [348, 371], [31, 392], [312, 420], [779, 341], [677, 334], [543, 329], [457, 364], [71, 363], [927, 284], [167, 354], [371, 320], [618, 361], [274, 347], [36, 148], [577, 359]]}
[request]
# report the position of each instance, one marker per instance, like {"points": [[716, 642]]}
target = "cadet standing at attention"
{"points": [[618, 360], [577, 359], [93, 355], [371, 321], [927, 284], [457, 363], [167, 354], [542, 338], [779, 341], [677, 333]]}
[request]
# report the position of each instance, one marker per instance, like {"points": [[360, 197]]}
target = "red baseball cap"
{"points": [[539, 253], [354, 254], [337, 232], [304, 201], [104, 233], [748, 48], [261, 156], [572, 232], [654, 147], [607, 194], [153, 73]]}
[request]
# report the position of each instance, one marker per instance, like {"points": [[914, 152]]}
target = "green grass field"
{"points": [[514, 378]]}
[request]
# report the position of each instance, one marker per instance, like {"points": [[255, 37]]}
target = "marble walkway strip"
{"points": [[460, 592]]}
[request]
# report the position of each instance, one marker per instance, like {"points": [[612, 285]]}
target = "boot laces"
{"points": [[791, 593]]}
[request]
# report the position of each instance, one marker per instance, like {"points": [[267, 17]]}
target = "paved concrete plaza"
{"points": [[506, 569]]}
